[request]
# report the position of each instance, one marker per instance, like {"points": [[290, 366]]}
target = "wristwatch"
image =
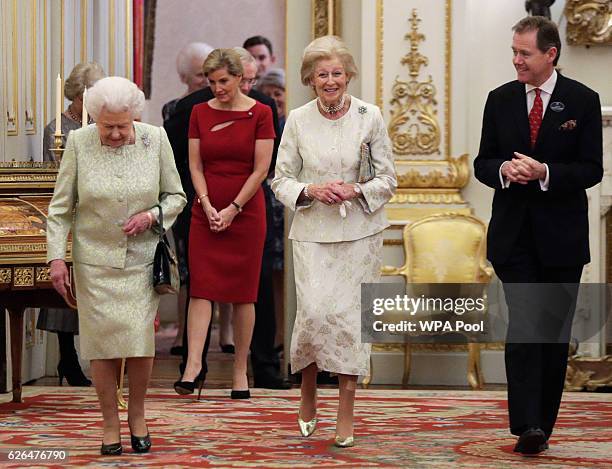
{"points": [[357, 189], [306, 194]]}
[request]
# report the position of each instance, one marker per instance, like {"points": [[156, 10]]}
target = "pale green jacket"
{"points": [[98, 188]]}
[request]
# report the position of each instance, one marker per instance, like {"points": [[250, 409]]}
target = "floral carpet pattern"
{"points": [[420, 429]]}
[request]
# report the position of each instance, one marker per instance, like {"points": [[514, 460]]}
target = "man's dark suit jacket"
{"points": [[177, 128], [558, 217]]}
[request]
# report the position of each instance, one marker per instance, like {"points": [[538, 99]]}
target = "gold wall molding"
{"points": [[62, 29], [12, 104], [111, 37], [414, 128], [379, 51], [128, 39], [589, 22], [452, 173], [31, 109], [423, 160], [325, 18], [84, 13], [433, 196], [447, 75], [45, 79]]}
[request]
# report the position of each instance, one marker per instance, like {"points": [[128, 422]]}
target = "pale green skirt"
{"points": [[117, 309]]}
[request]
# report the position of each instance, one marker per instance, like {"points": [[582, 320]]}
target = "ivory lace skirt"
{"points": [[327, 329]]}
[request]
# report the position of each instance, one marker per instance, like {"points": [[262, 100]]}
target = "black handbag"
{"points": [[165, 264]]}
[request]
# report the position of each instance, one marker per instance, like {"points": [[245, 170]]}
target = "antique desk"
{"points": [[25, 193]]}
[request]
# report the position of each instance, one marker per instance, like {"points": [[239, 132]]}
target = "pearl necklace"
{"points": [[333, 108], [73, 116]]}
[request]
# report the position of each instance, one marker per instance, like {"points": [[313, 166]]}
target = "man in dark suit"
{"points": [[264, 359], [541, 147]]}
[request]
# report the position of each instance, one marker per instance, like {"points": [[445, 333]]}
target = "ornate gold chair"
{"points": [[444, 248]]}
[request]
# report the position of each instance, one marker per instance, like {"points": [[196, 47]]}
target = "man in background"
{"points": [[260, 47]]}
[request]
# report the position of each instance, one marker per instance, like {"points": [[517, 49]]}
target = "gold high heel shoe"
{"points": [[307, 428], [344, 442]]}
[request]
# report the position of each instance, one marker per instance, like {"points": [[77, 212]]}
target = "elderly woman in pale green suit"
{"points": [[112, 176]]}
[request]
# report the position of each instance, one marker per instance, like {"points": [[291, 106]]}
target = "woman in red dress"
{"points": [[231, 139]]}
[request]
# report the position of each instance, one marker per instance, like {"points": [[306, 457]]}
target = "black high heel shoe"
{"points": [[187, 387], [73, 374], [140, 444], [114, 449], [240, 394]]}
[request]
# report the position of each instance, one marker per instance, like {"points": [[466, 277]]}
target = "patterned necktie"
{"points": [[535, 117]]}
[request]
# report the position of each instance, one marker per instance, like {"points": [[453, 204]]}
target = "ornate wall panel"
{"points": [[589, 22], [29, 39], [10, 66], [413, 85], [325, 17]]}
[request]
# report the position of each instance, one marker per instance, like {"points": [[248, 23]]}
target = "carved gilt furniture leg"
{"points": [[474, 374], [407, 363]]}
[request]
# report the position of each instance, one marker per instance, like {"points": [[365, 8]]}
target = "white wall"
{"points": [[218, 23]]}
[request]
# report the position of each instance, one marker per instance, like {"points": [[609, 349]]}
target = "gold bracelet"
{"points": [[200, 197]]}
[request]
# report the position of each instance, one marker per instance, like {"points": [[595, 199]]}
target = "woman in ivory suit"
{"points": [[112, 176], [337, 227]]}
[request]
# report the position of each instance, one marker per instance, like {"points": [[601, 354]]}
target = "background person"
{"points": [[65, 321], [272, 84], [118, 171], [189, 62], [260, 48], [336, 222]]}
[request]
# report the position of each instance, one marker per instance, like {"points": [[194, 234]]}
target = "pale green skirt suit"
{"points": [[98, 188]]}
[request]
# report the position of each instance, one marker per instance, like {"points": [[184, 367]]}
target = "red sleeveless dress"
{"points": [[225, 266]]}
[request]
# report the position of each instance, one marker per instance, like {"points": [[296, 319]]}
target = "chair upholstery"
{"points": [[444, 248]]}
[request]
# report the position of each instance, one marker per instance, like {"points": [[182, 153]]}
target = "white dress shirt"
{"points": [[546, 90]]}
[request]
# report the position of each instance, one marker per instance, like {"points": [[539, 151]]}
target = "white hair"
{"points": [[190, 52], [115, 94], [245, 56]]}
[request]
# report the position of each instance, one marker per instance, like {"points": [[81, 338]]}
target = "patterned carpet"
{"points": [[420, 429]]}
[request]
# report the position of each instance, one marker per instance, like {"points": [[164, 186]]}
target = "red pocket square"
{"points": [[568, 125]]}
